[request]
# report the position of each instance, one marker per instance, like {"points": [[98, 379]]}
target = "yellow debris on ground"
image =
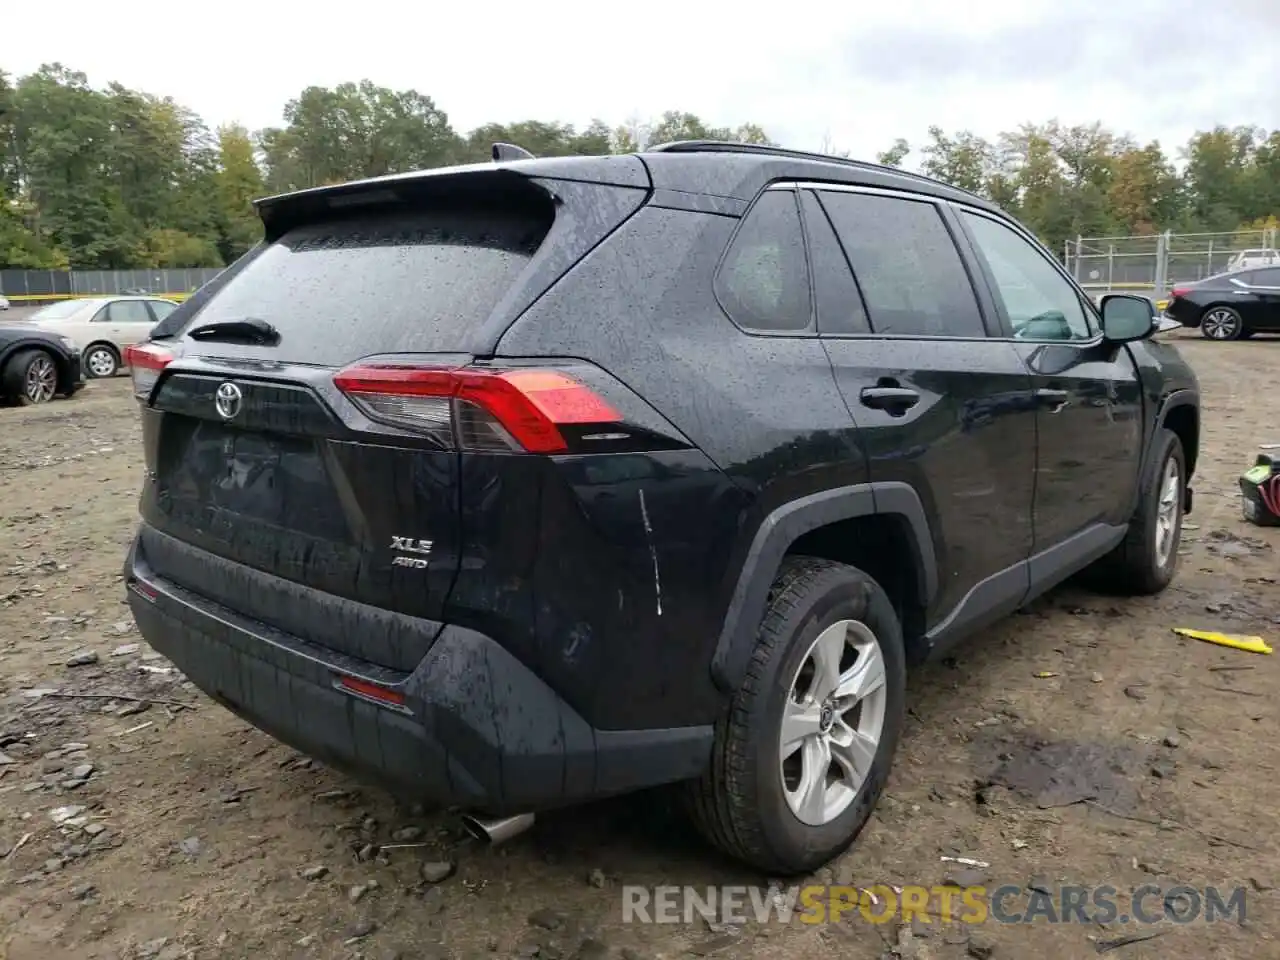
{"points": [[1236, 641]]}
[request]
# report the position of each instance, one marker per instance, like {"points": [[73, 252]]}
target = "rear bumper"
{"points": [[1182, 312], [477, 729]]}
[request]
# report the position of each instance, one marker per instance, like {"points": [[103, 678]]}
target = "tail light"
{"points": [[476, 409], [1179, 292], [145, 362]]}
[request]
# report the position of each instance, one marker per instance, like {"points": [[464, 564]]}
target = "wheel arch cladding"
{"points": [[1181, 415], [785, 527]]}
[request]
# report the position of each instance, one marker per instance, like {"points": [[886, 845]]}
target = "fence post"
{"points": [[1162, 264], [1111, 266]]}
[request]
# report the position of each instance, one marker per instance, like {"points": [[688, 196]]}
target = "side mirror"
{"points": [[1126, 318]]}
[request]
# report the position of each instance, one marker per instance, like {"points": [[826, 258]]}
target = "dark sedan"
{"points": [[36, 365], [1230, 306]]}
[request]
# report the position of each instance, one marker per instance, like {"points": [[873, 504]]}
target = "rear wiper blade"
{"points": [[250, 328]]}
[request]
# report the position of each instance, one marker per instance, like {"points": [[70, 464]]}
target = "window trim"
{"points": [[1086, 303], [810, 330], [981, 295]]}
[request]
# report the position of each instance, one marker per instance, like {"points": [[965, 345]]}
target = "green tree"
{"points": [[964, 160], [895, 155], [1262, 183], [1219, 169], [1144, 193], [64, 141], [237, 183], [355, 131], [539, 138], [675, 125]]}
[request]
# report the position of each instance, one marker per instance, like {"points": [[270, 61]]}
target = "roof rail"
{"points": [[765, 150], [510, 151]]}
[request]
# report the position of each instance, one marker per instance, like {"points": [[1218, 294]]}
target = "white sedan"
{"points": [[103, 326]]}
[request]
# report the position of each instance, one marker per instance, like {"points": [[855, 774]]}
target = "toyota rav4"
{"points": [[514, 485]]}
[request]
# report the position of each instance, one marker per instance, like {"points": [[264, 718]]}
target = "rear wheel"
{"points": [[101, 360], [804, 750], [30, 377], [1221, 323]]}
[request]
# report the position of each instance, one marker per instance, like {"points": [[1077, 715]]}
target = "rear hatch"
{"points": [[304, 416]]}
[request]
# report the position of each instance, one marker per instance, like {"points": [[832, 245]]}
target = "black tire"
{"points": [[14, 379], [104, 356], [1230, 327], [1135, 567], [739, 804]]}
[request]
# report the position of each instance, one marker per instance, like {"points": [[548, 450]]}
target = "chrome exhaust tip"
{"points": [[494, 832]]}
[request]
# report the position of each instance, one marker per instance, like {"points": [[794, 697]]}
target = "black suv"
{"points": [[510, 486]]}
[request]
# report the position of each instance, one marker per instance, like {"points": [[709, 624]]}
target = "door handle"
{"points": [[1055, 400], [895, 400]]}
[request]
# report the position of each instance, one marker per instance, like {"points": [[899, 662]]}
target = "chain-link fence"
{"points": [[1155, 264], [37, 286]]}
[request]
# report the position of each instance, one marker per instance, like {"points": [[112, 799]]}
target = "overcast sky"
{"points": [[855, 75]]}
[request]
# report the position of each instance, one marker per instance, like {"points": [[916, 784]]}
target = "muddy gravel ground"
{"points": [[1080, 743]]}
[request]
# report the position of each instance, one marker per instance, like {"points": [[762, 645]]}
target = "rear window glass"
{"points": [[342, 290], [61, 310]]}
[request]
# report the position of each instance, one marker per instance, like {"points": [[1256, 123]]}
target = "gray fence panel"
{"points": [[35, 283], [1154, 264], [45, 284]]}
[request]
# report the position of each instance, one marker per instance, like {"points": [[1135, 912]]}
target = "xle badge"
{"points": [[411, 552]]}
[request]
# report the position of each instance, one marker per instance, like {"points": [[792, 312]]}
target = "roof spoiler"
{"points": [[509, 151]]}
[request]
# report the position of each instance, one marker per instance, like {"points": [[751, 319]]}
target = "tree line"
{"points": [[113, 178]]}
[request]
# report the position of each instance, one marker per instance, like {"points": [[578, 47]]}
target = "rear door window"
{"points": [[390, 283], [128, 311], [912, 278], [763, 283]]}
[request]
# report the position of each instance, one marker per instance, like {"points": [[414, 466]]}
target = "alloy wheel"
{"points": [[1167, 508], [832, 722], [42, 380], [1220, 324]]}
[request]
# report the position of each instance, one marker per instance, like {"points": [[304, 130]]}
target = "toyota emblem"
{"points": [[227, 400]]}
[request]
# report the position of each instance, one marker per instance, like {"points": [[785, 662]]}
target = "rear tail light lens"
{"points": [[1179, 292], [521, 410], [145, 362]]}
